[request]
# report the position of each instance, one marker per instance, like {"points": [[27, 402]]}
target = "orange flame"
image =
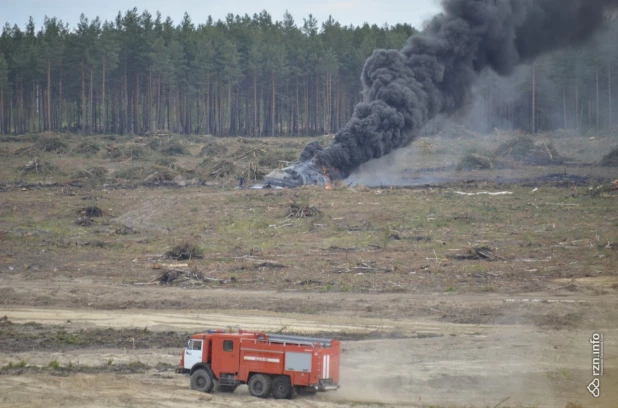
{"points": [[328, 185]]}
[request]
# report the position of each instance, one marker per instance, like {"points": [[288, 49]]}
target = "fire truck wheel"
{"points": [[201, 381], [260, 385], [282, 387]]}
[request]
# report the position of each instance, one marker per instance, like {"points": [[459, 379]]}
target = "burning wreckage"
{"points": [[306, 171], [303, 173], [434, 72]]}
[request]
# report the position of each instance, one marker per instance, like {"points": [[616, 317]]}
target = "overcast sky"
{"points": [[346, 12]]}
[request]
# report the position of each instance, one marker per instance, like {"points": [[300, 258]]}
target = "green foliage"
{"points": [[173, 148], [257, 76], [255, 62], [185, 251], [129, 152], [87, 147], [66, 338], [54, 365], [113, 151], [135, 152], [473, 161], [52, 144], [11, 365]]}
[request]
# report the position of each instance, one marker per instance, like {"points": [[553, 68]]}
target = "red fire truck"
{"points": [[275, 364]]}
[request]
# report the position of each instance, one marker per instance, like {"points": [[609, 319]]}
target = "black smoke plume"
{"points": [[434, 72]]}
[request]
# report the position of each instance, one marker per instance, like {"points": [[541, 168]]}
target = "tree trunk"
{"points": [[316, 114], [136, 121], [255, 105], [33, 101], [167, 105], [61, 104], [39, 107], [327, 101], [221, 111], [158, 101], [19, 127], [82, 123], [103, 104], [207, 106], [91, 107], [297, 114], [186, 113], [48, 124], [148, 104], [125, 111], [230, 107], [2, 125], [272, 106], [306, 118]]}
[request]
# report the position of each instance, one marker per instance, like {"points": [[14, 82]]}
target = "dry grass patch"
{"points": [[39, 167]]}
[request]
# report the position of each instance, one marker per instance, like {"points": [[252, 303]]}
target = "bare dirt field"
{"points": [[476, 288]]}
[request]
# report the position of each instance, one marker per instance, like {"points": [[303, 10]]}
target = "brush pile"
{"points": [[185, 251], [178, 277], [90, 212], [250, 158], [519, 150], [301, 210], [475, 254], [524, 149], [38, 167]]}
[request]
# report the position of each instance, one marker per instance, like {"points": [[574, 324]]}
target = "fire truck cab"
{"points": [[270, 364]]}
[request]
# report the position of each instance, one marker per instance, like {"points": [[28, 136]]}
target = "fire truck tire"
{"points": [[202, 381], [260, 385], [282, 387]]}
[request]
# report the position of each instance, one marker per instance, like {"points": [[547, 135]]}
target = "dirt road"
{"points": [[437, 362]]}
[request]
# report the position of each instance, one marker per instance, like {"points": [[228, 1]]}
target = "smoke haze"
{"points": [[434, 73]]}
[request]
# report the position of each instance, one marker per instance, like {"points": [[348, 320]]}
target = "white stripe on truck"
{"points": [[326, 366], [262, 359]]}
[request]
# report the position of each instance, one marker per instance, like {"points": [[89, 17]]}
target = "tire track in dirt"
{"points": [[155, 320], [465, 364]]}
